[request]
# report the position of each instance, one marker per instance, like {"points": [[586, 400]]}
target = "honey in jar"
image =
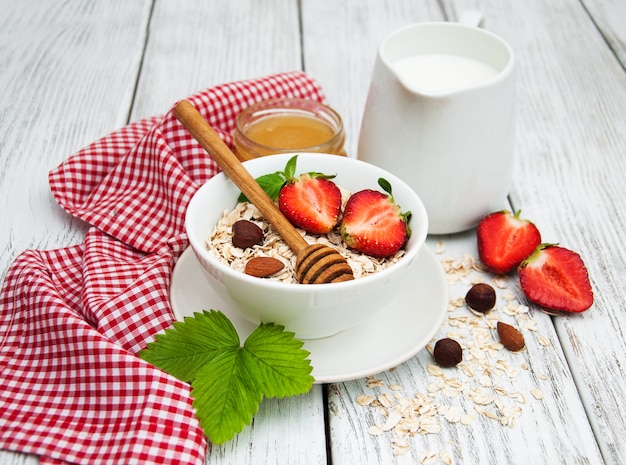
{"points": [[288, 125]]}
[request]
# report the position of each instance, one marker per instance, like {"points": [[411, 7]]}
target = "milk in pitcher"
{"points": [[441, 72]]}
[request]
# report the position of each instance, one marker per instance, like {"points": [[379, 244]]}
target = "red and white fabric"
{"points": [[72, 389]]}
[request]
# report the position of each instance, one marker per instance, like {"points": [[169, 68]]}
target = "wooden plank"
{"points": [[608, 15], [545, 430], [10, 458], [193, 45], [535, 430], [284, 431], [67, 79], [340, 44], [570, 148]]}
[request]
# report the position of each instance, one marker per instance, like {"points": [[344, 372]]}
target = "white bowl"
{"points": [[310, 310]]}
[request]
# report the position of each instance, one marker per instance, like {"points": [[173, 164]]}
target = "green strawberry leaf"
{"points": [[279, 360], [406, 216], [228, 380], [226, 396], [385, 185], [191, 344], [315, 174]]}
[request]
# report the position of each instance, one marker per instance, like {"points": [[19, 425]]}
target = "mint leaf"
{"points": [[191, 344], [229, 381], [272, 183], [290, 168]]}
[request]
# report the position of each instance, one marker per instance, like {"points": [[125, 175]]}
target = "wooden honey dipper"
{"points": [[315, 263]]}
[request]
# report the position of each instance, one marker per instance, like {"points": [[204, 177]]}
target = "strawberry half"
{"points": [[505, 240], [311, 202], [373, 224], [556, 278]]}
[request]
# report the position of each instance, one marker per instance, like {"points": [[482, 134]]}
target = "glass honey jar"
{"points": [[286, 125]]}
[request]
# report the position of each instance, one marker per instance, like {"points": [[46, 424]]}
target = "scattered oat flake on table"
{"points": [[537, 394], [508, 296], [385, 400], [544, 341], [445, 457], [364, 399], [428, 457], [435, 370], [452, 413], [392, 420], [375, 430], [518, 396], [400, 447], [500, 282], [480, 397]]}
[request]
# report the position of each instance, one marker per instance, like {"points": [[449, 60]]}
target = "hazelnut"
{"points": [[481, 297], [448, 352], [246, 234]]}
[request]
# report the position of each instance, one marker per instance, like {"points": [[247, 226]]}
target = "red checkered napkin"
{"points": [[72, 320]]}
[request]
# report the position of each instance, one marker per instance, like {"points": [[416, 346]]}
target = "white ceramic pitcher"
{"points": [[453, 145]]}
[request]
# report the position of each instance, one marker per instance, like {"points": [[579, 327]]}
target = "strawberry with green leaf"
{"points": [[310, 201], [229, 380], [505, 240], [556, 278], [373, 223]]}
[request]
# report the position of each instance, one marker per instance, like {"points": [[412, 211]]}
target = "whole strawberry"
{"points": [[556, 279], [311, 201], [505, 240], [373, 224]]}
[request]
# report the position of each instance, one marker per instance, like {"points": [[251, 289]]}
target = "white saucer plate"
{"points": [[387, 339]]}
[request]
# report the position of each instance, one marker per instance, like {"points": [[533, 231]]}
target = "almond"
{"points": [[510, 337], [262, 267]]}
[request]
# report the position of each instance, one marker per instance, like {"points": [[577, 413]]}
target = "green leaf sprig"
{"points": [[228, 380], [272, 183]]}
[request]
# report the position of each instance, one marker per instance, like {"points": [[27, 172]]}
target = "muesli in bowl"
{"points": [[311, 311], [220, 243]]}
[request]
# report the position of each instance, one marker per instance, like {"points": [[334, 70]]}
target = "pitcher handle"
{"points": [[472, 18]]}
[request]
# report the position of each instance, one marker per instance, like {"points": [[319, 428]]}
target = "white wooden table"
{"points": [[73, 71]]}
